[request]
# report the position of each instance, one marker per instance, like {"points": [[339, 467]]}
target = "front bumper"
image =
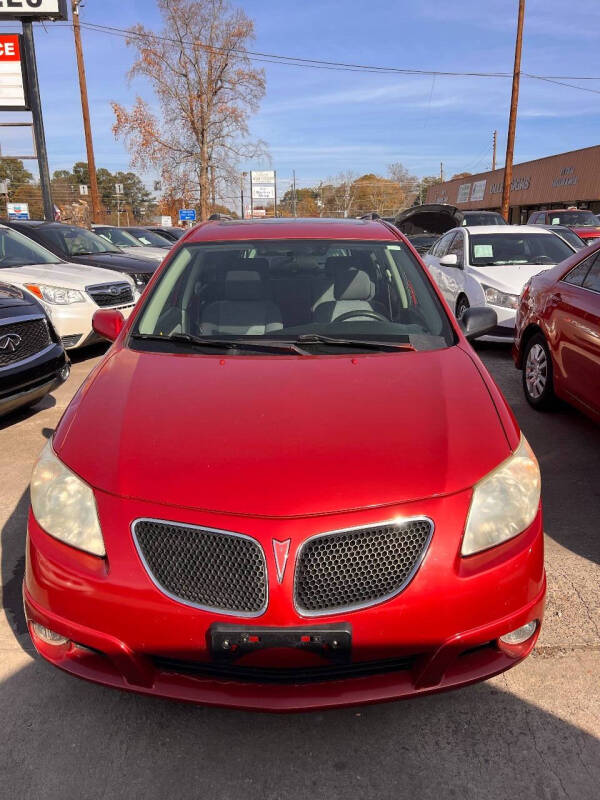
{"points": [[23, 385], [73, 323], [123, 632]]}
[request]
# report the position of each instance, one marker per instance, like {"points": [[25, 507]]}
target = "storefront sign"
{"points": [[478, 190], [517, 185], [567, 177], [33, 9], [17, 210], [464, 190], [13, 96]]}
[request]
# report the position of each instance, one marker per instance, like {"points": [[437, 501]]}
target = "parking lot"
{"points": [[530, 733]]}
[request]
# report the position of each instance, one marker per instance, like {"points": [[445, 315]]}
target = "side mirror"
{"points": [[478, 321], [108, 323], [449, 260]]}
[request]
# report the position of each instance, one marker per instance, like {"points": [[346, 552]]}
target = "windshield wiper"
{"points": [[367, 344], [224, 344]]}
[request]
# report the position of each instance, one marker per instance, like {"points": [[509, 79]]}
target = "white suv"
{"points": [[70, 293]]}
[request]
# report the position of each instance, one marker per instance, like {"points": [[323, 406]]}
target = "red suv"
{"points": [[584, 223], [290, 484]]}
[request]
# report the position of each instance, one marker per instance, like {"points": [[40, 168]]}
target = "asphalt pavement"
{"points": [[533, 732]]}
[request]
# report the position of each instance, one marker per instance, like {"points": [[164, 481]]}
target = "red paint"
{"points": [[281, 448], [9, 47], [569, 318]]}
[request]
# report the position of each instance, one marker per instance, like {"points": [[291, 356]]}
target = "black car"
{"points": [[33, 361], [423, 242], [169, 232], [150, 238], [81, 246]]}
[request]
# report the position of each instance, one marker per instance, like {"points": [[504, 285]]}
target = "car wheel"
{"points": [[537, 374], [461, 306]]}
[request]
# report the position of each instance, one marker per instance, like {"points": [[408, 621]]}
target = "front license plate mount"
{"points": [[230, 642]]}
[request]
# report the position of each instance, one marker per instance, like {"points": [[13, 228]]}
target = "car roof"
{"points": [[288, 228], [475, 211], [516, 229]]}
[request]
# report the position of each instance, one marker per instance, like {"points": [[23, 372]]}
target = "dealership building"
{"points": [[568, 179]]}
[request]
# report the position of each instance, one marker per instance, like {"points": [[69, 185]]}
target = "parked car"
{"points": [[80, 246], [148, 238], [69, 293], [171, 233], [490, 265], [583, 222], [434, 218], [33, 361], [312, 493], [557, 335], [569, 236], [472, 218], [120, 238]]}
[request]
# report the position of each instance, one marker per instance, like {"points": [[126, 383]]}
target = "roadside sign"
{"points": [[263, 192], [17, 210], [119, 188], [13, 95], [187, 215], [166, 221], [3, 187], [33, 9], [263, 176], [83, 189], [157, 186]]}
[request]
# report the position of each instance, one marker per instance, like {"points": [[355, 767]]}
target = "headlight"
{"points": [[505, 502], [496, 298], [56, 295], [64, 505]]}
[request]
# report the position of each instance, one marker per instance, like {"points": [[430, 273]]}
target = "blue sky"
{"points": [[322, 122]]}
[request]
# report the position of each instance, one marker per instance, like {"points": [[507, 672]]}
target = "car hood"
{"points": [[68, 276], [119, 262], [509, 278], [283, 436], [430, 218], [12, 297]]}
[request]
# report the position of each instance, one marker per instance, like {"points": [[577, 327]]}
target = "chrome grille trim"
{"points": [[399, 521], [203, 528]]}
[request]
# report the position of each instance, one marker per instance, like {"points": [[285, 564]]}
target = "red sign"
{"points": [[9, 47]]}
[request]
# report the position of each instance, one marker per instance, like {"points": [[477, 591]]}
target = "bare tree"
{"points": [[206, 88]]}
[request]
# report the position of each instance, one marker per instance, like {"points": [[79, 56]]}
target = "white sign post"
{"points": [[83, 189], [119, 188], [263, 186]]}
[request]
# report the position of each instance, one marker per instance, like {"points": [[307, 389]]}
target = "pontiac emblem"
{"points": [[281, 551]]}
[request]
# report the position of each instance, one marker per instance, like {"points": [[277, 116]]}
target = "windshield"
{"points": [[76, 241], [501, 249], [483, 219], [287, 291], [571, 237], [17, 250], [118, 237], [149, 238], [578, 219]]}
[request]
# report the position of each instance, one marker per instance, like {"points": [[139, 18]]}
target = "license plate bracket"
{"points": [[230, 642]]}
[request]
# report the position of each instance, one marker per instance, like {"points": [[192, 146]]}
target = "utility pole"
{"points": [[85, 109], [494, 150], [512, 120], [38, 120], [441, 171], [294, 195], [242, 176]]}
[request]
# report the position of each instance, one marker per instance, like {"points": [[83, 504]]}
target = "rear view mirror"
{"points": [[450, 260], [108, 323], [478, 321]]}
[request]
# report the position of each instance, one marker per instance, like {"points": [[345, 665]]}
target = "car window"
{"points": [[457, 248], [571, 237], [287, 288], [592, 280], [76, 241], [576, 276], [118, 237], [444, 243], [502, 249], [578, 219], [17, 250], [148, 238]]}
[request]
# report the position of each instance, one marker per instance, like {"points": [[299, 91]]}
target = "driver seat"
{"points": [[353, 290]]}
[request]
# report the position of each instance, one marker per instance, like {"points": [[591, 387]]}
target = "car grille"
{"points": [[111, 294], [351, 569], [71, 340], [215, 570], [33, 336]]}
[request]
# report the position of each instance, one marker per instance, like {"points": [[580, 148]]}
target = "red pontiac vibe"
{"points": [[290, 484], [557, 335]]}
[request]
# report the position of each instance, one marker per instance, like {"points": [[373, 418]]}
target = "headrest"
{"points": [[243, 285], [259, 265], [333, 262], [352, 283]]}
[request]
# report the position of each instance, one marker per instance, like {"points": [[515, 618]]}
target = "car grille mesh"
{"points": [[214, 570], [350, 569], [116, 294], [33, 334]]}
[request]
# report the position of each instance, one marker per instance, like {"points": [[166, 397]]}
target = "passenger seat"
{"points": [[353, 290], [245, 309]]}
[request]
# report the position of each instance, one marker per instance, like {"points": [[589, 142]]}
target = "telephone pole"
{"points": [[441, 171], [85, 109], [512, 120], [494, 151]]}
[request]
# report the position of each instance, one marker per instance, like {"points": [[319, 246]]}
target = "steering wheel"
{"points": [[364, 313]]}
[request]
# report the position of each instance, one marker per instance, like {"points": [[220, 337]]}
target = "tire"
{"points": [[462, 304], [538, 380]]}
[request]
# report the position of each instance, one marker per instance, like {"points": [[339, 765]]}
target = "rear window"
{"points": [[503, 249], [577, 219]]}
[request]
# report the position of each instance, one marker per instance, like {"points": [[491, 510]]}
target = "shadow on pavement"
{"points": [[567, 445], [66, 738]]}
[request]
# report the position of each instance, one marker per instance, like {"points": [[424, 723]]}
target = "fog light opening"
{"points": [[520, 635], [48, 636], [65, 372]]}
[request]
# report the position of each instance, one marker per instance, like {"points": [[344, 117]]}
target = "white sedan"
{"points": [[70, 293], [490, 265]]}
